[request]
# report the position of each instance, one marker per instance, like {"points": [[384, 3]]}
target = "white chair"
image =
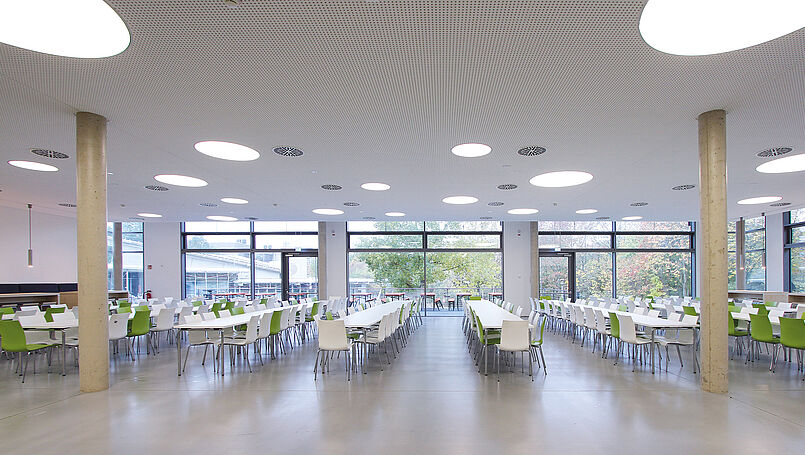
{"points": [[603, 331], [514, 338], [243, 343], [375, 338], [332, 338], [164, 325], [628, 335], [118, 329], [680, 337], [589, 324], [197, 338]]}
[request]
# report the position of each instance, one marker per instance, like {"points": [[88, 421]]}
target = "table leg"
{"points": [[63, 351], [651, 349], [695, 342], [179, 351], [221, 352]]}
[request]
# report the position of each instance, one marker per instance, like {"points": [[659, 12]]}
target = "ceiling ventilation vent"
{"points": [[683, 187], [369, 218], [137, 218], [486, 218], [288, 151], [251, 218], [774, 151], [67, 204], [780, 204], [351, 204], [638, 204], [507, 186], [50, 154], [531, 150], [156, 188], [329, 187], [495, 204], [208, 204], [602, 218]]}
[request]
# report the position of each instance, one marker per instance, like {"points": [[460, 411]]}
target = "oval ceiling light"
{"points": [[632, 218], [149, 215], [234, 200], [78, 28], [221, 218], [375, 186], [523, 211], [793, 163], [227, 150], [328, 212], [33, 166], [180, 180], [460, 200], [586, 211], [561, 179], [471, 150], [759, 200], [395, 214], [696, 27]]}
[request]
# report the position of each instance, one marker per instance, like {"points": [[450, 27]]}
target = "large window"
{"points": [[732, 256], [259, 259], [755, 253], [795, 249], [441, 260], [636, 258], [133, 257]]}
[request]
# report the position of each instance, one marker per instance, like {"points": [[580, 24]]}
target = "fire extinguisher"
{"points": [[148, 294]]}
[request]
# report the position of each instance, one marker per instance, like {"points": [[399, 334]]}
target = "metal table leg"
{"points": [[179, 351], [221, 351], [652, 349], [63, 351], [695, 342]]}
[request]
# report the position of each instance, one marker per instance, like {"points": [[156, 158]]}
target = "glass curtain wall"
{"points": [[245, 259], [636, 258], [755, 253], [795, 250], [133, 257]]}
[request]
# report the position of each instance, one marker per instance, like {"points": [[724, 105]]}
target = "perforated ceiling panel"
{"points": [[381, 90]]}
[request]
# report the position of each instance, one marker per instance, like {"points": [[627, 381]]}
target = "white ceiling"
{"points": [[381, 90]]}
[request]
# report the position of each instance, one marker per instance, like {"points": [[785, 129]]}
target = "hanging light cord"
{"points": [[29, 226]]}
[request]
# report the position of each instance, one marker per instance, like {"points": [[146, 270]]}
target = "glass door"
{"points": [[557, 275], [300, 276]]}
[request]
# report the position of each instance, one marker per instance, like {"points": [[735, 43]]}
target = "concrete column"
{"points": [[322, 260], [713, 210], [534, 260], [117, 255], [93, 329]]}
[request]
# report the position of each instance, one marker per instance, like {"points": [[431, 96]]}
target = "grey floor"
{"points": [[431, 400]]}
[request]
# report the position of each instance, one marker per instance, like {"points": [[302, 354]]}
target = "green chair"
{"points": [[760, 331], [276, 329], [614, 334], [328, 315], [124, 309], [197, 303], [236, 311], [140, 325], [6, 310], [792, 335], [216, 307], [49, 312], [536, 344], [486, 338], [761, 308], [314, 310], [734, 331], [229, 306], [475, 297], [690, 310], [12, 339]]}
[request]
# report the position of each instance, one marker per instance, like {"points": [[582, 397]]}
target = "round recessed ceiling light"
{"points": [[288, 151], [149, 215], [33, 166], [507, 186], [180, 180], [234, 200], [374, 186], [532, 150], [586, 211], [523, 211], [471, 150], [328, 212], [759, 200], [774, 151], [494, 204], [561, 179], [793, 163], [694, 27], [395, 214], [221, 218], [460, 200], [50, 154], [632, 218], [80, 29], [331, 187], [683, 187], [227, 150], [156, 188]]}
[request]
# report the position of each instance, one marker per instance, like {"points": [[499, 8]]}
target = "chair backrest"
{"points": [[760, 328], [141, 323], [589, 318], [276, 321], [626, 328], [12, 337], [519, 311], [64, 318], [209, 316], [514, 336], [36, 318], [792, 333], [251, 328], [333, 335], [224, 313], [653, 313], [185, 311], [600, 321], [614, 325], [165, 319], [118, 326], [689, 319], [265, 326]]}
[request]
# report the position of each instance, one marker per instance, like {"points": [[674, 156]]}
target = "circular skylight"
{"points": [[471, 150], [374, 186], [328, 212], [395, 214], [632, 218], [77, 28], [561, 179], [180, 180], [33, 166], [221, 218], [523, 211], [234, 200], [149, 215], [586, 211], [460, 200], [759, 200], [227, 150], [793, 163], [696, 27]]}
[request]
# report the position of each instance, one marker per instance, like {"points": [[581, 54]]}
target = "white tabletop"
{"points": [[230, 321], [372, 316], [491, 315], [646, 321]]}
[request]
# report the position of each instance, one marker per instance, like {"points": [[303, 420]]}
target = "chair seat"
{"points": [[774, 340], [740, 333]]}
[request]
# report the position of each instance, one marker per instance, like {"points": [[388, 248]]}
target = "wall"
{"points": [[163, 254], [336, 259], [774, 252], [517, 263], [54, 245]]}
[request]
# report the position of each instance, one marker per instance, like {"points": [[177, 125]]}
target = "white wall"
{"points": [[336, 258], [54, 245], [163, 254], [774, 252], [517, 263]]}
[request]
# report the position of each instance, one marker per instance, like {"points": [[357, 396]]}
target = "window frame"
{"points": [[788, 246]]}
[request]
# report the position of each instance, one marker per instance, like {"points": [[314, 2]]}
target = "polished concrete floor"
{"points": [[431, 400]]}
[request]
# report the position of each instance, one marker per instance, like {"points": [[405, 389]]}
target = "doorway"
{"points": [[557, 275], [300, 275]]}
